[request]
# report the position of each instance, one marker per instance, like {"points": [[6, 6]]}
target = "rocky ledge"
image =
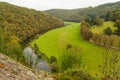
{"points": [[12, 70]]}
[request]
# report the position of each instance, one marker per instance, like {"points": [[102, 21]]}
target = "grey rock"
{"points": [[12, 70]]}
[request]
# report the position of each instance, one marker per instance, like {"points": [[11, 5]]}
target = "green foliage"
{"points": [[88, 25], [63, 77], [54, 42], [108, 31], [53, 59], [117, 24], [113, 15], [104, 11], [66, 15], [69, 58], [100, 29], [108, 16], [111, 66], [94, 20], [74, 74], [79, 74], [91, 19], [24, 23], [18, 24], [10, 46], [54, 64], [100, 22], [105, 40]]}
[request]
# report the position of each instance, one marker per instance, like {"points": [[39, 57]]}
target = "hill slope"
{"points": [[17, 24], [100, 10], [25, 22], [64, 14]]}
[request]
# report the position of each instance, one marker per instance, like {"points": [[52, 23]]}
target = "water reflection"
{"points": [[33, 60]]}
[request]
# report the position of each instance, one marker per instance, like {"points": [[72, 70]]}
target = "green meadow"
{"points": [[54, 42], [100, 29]]}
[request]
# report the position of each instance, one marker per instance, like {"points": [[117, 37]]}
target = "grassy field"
{"points": [[99, 29], [55, 41]]}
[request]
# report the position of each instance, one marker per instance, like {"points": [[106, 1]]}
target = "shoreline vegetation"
{"points": [[86, 48]]}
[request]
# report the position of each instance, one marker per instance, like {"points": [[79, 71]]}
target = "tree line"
{"points": [[100, 39], [109, 16]]}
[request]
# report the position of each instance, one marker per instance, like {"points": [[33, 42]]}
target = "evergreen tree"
{"points": [[108, 31], [117, 24]]}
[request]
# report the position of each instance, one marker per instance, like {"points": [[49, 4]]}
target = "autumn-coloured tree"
{"points": [[85, 32]]}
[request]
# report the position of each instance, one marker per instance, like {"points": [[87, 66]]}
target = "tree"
{"points": [[108, 15], [99, 22], [85, 32], [91, 19], [117, 24], [108, 31], [88, 25]]}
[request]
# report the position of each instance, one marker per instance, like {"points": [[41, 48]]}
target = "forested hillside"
{"points": [[66, 15], [100, 11], [18, 23]]}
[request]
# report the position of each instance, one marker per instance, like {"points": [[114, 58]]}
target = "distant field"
{"points": [[55, 41], [99, 29]]}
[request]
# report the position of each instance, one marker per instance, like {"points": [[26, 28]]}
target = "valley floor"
{"points": [[54, 42]]}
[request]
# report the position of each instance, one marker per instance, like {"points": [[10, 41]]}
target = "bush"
{"points": [[74, 74], [70, 58], [77, 74], [53, 59], [54, 65], [63, 77]]}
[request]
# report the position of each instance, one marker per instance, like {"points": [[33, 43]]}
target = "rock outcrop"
{"points": [[12, 70]]}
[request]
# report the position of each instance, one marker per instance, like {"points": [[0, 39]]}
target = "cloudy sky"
{"points": [[53, 4]]}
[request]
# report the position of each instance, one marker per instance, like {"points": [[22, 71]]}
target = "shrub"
{"points": [[75, 74], [53, 59], [63, 77], [70, 58], [55, 67], [78, 74]]}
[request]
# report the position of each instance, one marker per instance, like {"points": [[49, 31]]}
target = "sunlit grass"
{"points": [[100, 29], [54, 42]]}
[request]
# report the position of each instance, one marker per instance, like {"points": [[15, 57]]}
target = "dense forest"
{"points": [[66, 15], [19, 23], [99, 11]]}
